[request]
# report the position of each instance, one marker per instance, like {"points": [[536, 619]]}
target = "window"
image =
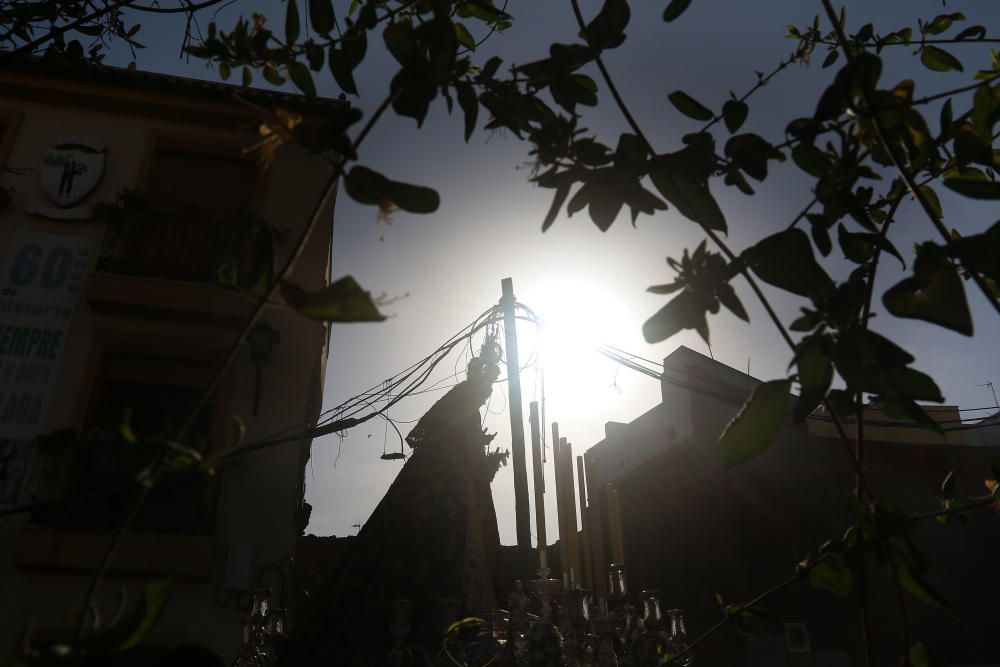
{"points": [[198, 198], [215, 184], [154, 394], [9, 122]]}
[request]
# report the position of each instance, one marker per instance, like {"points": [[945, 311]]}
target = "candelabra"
{"points": [[544, 626], [263, 632]]}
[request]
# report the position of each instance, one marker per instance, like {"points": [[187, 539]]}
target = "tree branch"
{"points": [[898, 163], [730, 617]]}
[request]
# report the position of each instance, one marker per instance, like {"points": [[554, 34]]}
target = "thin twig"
{"points": [[730, 617], [863, 601], [173, 10], [803, 213], [972, 503], [950, 93], [914, 42], [761, 82]]}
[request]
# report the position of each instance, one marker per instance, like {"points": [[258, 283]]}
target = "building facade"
{"points": [[661, 502], [112, 312]]}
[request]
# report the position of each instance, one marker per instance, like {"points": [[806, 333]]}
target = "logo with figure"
{"points": [[71, 170]]}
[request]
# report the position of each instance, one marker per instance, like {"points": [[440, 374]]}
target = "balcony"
{"points": [[171, 247], [158, 265]]}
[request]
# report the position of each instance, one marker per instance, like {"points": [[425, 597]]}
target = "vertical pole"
{"points": [[615, 510], [522, 517], [560, 510], [571, 525], [587, 575], [539, 475], [595, 513]]}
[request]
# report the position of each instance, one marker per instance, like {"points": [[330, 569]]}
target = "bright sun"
{"points": [[577, 315]]}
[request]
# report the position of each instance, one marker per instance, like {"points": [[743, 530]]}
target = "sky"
{"points": [[589, 284]]}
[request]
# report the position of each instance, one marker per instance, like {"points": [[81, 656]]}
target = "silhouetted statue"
{"points": [[433, 537]]}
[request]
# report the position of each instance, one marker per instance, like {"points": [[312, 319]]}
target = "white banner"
{"points": [[40, 284]]}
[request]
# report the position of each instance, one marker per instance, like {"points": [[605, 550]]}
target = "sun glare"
{"points": [[576, 315]]}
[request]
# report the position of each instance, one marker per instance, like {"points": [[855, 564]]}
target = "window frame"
{"points": [[218, 147], [204, 348]]}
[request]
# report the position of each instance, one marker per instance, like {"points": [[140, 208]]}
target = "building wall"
{"points": [[44, 571], [692, 528]]}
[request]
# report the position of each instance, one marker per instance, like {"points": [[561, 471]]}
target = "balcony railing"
{"points": [[171, 247]]}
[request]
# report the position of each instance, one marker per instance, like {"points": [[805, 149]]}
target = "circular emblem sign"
{"points": [[71, 171]]}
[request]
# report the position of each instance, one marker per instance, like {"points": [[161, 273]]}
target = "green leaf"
{"points": [[91, 29], [833, 576], [734, 113], [414, 198], [939, 60], [811, 160], [341, 69], [932, 199], [225, 71], [562, 191], [786, 260], [607, 30], [752, 430], [399, 40], [976, 32], [973, 183], [934, 293], [682, 178], [969, 147], [979, 253], [675, 9], [137, 625], [815, 373], [917, 586], [414, 89], [302, 78], [854, 79], [470, 106], [273, 76], [751, 152], [247, 77], [940, 23], [464, 37], [315, 56], [485, 11], [321, 16], [689, 106], [291, 22], [946, 119], [685, 311], [341, 301], [919, 657], [727, 297], [370, 187]]}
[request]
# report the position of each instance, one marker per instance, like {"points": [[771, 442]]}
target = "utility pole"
{"points": [[521, 510]]}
